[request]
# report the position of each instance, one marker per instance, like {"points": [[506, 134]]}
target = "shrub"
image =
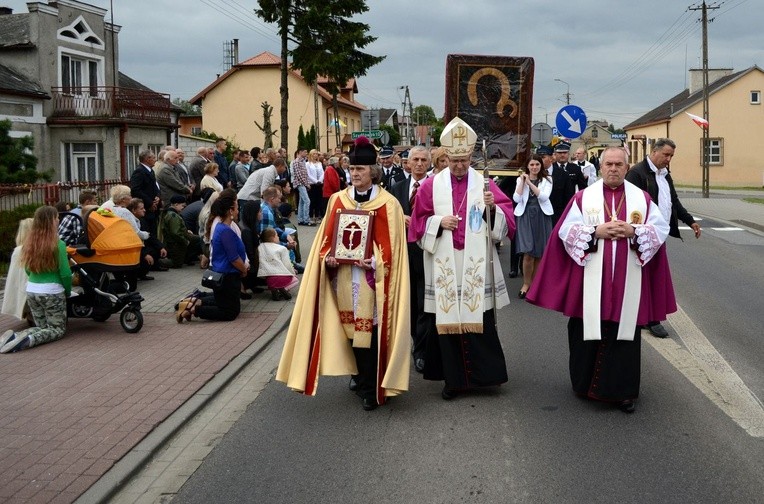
{"points": [[9, 224]]}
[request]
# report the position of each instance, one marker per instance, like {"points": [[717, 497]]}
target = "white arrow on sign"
{"points": [[575, 126]]}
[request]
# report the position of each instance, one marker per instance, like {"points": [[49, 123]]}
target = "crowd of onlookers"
{"points": [[233, 217]]}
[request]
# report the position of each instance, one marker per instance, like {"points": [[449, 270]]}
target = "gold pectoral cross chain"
{"points": [[614, 216]]}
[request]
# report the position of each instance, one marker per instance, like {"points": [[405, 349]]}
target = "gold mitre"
{"points": [[458, 138]]}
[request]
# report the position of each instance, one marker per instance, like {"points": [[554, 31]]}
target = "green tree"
{"points": [[188, 107], [437, 130], [311, 138], [395, 136], [425, 115], [17, 163], [326, 43], [232, 144], [301, 142]]}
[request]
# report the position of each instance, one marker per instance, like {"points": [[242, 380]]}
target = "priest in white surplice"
{"points": [[449, 223], [592, 271]]}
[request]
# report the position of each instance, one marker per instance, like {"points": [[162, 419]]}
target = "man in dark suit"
{"points": [[405, 173], [652, 175], [196, 170], [562, 161], [562, 189], [390, 171], [223, 176], [143, 185], [405, 192]]}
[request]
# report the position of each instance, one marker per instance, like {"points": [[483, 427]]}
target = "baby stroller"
{"points": [[114, 247]]}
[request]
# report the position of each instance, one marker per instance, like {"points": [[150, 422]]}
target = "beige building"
{"points": [[233, 103], [736, 119], [595, 138]]}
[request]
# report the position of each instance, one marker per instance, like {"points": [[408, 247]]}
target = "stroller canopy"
{"points": [[115, 242]]}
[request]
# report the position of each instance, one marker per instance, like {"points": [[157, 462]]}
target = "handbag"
{"points": [[212, 279]]}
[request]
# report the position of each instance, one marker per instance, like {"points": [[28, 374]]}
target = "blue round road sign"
{"points": [[571, 121]]}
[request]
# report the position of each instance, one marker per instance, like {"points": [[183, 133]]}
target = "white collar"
{"points": [[655, 169]]}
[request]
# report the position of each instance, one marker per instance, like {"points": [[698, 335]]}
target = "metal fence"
{"points": [[14, 195], [19, 200]]}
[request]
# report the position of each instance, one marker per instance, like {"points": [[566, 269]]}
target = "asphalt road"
{"points": [[530, 440]]}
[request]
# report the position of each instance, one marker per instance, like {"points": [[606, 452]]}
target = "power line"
{"points": [[649, 56], [379, 98], [254, 17], [222, 9]]}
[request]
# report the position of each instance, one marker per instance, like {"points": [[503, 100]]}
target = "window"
{"points": [[595, 133], [83, 162], [634, 147], [715, 151], [80, 33], [131, 157], [196, 130], [80, 76], [155, 148], [755, 97]]}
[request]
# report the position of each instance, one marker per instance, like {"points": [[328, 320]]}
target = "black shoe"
{"points": [[448, 394], [627, 406], [521, 294], [419, 365], [513, 273], [368, 404], [285, 295], [275, 295], [658, 330], [353, 385], [146, 278], [245, 295]]}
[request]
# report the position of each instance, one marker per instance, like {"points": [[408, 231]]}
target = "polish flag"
{"points": [[698, 120]]}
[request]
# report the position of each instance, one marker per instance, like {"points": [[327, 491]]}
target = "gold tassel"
{"points": [[473, 328], [449, 328]]}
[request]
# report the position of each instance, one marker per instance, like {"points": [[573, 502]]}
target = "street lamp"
{"points": [[567, 93]]}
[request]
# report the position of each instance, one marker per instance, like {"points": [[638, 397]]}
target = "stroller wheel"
{"points": [[131, 320]]}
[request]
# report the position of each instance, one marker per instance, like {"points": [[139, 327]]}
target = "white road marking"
{"points": [[687, 228], [700, 363]]}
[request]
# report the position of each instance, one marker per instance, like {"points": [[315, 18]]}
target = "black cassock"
{"points": [[605, 370], [468, 360]]}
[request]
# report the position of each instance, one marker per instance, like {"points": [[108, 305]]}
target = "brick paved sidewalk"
{"points": [[72, 408]]}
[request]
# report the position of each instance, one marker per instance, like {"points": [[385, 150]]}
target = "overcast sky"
{"points": [[620, 58]]}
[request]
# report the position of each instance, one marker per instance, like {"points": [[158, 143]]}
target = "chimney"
{"points": [[714, 74], [5, 11], [235, 51]]}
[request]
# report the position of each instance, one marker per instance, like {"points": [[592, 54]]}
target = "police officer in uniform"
{"points": [[390, 172]]}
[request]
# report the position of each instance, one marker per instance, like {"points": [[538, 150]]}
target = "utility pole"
{"points": [[407, 122], [411, 117], [706, 134], [567, 92], [316, 119]]}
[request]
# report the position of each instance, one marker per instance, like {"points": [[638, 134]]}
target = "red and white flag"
{"points": [[698, 120]]}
